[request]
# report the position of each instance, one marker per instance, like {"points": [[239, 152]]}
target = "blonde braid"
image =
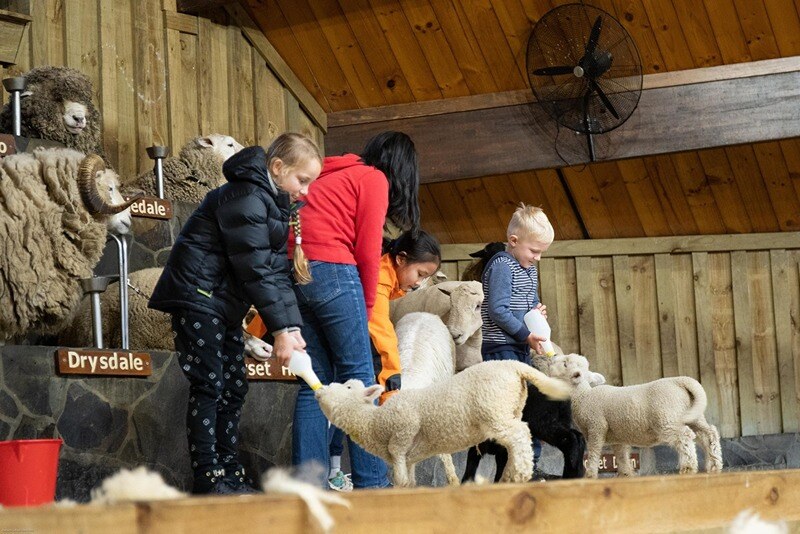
{"points": [[302, 273]]}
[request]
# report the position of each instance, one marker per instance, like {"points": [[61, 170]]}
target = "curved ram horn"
{"points": [[87, 185]]}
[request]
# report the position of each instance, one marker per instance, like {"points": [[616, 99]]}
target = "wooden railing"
{"points": [[724, 309]]}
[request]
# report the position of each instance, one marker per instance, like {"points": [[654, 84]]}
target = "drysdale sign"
{"points": [[151, 207], [103, 362]]}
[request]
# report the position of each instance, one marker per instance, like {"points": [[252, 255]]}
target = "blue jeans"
{"points": [[337, 339], [336, 441], [524, 357]]}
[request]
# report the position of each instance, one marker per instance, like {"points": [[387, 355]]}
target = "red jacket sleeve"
{"points": [[371, 207]]}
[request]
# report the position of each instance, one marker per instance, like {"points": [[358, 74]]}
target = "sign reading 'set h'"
{"points": [[150, 207], [103, 362], [267, 370], [608, 462]]}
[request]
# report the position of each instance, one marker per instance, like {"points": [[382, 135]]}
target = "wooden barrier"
{"points": [[648, 504], [723, 309]]}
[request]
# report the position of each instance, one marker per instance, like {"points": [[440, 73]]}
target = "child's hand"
{"points": [[535, 341], [542, 308], [299, 337], [285, 344]]}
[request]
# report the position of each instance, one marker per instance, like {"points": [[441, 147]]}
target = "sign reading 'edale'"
{"points": [[103, 362], [268, 370], [151, 207]]}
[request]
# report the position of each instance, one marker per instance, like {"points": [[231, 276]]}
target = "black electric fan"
{"points": [[584, 69]]}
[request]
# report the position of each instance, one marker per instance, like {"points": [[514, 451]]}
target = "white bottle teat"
{"points": [[537, 324], [300, 364]]}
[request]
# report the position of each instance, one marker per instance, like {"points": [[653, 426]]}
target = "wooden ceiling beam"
{"points": [[500, 133], [194, 7]]}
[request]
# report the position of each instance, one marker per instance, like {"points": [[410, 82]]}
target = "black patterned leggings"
{"points": [[211, 357]]}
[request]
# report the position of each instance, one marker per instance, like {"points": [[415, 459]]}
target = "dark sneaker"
{"points": [[239, 482], [206, 482]]}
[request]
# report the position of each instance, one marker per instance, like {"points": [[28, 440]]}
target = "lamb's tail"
{"points": [[699, 399], [554, 388]]}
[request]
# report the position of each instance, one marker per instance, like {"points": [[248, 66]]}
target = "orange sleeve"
{"points": [[256, 327], [381, 331]]}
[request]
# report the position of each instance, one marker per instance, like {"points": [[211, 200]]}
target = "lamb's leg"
{"points": [[594, 447], [449, 470], [708, 437], [473, 461], [683, 442], [412, 474], [623, 454], [400, 470], [516, 438]]}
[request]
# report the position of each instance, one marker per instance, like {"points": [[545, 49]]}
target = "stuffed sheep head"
{"points": [[99, 189], [224, 145]]}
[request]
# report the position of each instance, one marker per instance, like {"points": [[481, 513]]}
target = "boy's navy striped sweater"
{"points": [[509, 293]]}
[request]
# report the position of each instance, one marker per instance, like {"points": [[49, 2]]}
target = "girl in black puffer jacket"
{"points": [[232, 253]]}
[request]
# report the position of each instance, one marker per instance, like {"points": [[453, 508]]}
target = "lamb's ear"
{"points": [[373, 392], [446, 291], [596, 379], [204, 142]]}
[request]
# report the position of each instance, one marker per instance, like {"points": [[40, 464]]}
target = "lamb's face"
{"points": [[465, 311], [349, 393], [573, 368], [75, 117], [108, 187]]}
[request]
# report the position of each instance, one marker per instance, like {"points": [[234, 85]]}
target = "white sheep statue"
{"points": [[427, 357], [56, 207], [482, 402], [668, 410], [459, 306], [149, 329], [57, 105], [195, 171]]}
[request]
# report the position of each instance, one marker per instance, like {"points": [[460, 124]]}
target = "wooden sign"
{"points": [[103, 362], [151, 207], [608, 462], [268, 370], [8, 145]]}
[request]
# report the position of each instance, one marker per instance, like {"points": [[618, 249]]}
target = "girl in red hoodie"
{"points": [[342, 231]]}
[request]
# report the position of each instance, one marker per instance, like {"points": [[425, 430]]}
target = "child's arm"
{"points": [[499, 302], [244, 227], [384, 337]]}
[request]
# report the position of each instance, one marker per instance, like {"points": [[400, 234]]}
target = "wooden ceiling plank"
{"points": [[466, 50], [504, 198], [791, 154], [723, 185], [635, 19], [491, 39], [645, 200], [431, 218], [698, 33], [348, 53], [757, 29], [669, 35], [593, 210], [517, 29], [752, 187], [672, 198], [405, 47], [785, 200], [455, 214], [377, 51], [435, 47], [482, 213], [318, 53], [785, 26], [728, 31], [625, 218], [544, 189], [698, 193], [273, 25]]}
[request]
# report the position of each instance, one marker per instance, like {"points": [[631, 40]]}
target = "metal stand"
{"points": [[122, 251], [158, 153], [15, 86], [94, 286]]}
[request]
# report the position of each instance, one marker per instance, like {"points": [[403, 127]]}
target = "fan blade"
{"points": [[553, 71], [586, 125], [593, 37], [606, 102]]}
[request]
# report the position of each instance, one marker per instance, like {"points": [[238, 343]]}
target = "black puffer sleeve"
{"points": [[261, 270]]}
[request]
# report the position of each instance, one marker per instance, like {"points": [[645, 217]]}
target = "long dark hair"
{"points": [[419, 248], [393, 154]]}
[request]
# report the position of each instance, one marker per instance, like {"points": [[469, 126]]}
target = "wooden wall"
{"points": [[161, 77], [723, 309]]}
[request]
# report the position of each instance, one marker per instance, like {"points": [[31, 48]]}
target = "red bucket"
{"points": [[28, 469]]}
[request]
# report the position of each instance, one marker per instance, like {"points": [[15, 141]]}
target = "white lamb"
{"points": [[459, 306], [480, 403], [427, 356], [668, 410]]}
